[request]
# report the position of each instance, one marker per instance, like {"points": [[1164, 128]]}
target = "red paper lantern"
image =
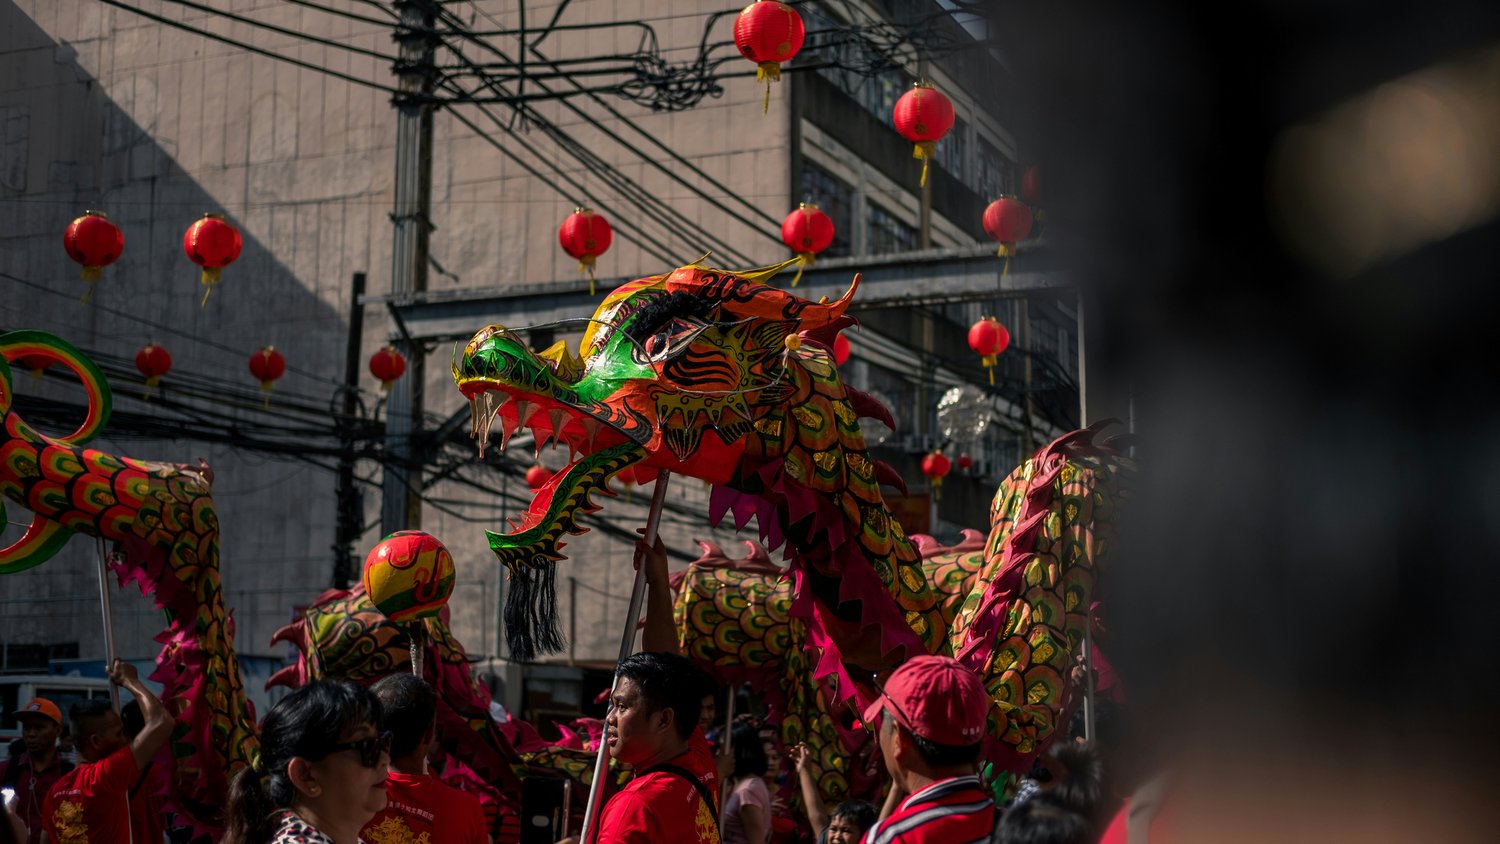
{"points": [[1031, 185], [35, 364], [935, 466], [841, 349], [1007, 220], [626, 477], [585, 236], [768, 33], [212, 244], [153, 362], [267, 365], [988, 338], [923, 116], [806, 231], [964, 462], [387, 365], [94, 242], [538, 476]]}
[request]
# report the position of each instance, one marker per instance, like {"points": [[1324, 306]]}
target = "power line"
{"points": [[271, 54], [166, 329], [642, 200], [342, 13], [284, 31]]}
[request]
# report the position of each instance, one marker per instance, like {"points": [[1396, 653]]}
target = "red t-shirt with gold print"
{"points": [[91, 803]]}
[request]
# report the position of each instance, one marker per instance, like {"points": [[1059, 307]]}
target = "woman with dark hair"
{"points": [[747, 809], [321, 772]]}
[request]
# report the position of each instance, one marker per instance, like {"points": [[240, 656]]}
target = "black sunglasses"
{"points": [[369, 749]]}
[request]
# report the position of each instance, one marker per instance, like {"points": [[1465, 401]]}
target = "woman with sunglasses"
{"points": [[321, 772]]}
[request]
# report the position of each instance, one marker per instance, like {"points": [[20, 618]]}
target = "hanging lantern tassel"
{"points": [[989, 363], [937, 488], [804, 260], [586, 265], [90, 275], [209, 279], [1006, 251], [767, 72], [924, 150]]}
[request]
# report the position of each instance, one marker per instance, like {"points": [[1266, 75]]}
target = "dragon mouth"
{"points": [[596, 451]]}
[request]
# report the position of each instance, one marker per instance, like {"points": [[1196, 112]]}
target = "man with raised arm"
{"points": [[92, 802]]}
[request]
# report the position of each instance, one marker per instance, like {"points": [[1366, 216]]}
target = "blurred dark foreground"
{"points": [[1287, 215]]}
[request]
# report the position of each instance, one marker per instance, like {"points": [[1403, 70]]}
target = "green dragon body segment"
{"points": [[160, 518]]}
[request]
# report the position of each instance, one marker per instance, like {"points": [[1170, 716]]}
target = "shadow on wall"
{"points": [[69, 142]]}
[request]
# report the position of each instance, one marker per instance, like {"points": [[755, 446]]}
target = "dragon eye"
{"points": [[669, 340]]}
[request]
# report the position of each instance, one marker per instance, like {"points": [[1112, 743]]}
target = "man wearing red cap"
{"points": [[32, 774], [932, 713]]}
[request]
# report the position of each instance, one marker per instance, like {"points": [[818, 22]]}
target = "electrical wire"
{"points": [[251, 48], [634, 194], [383, 23], [167, 329], [280, 30]]}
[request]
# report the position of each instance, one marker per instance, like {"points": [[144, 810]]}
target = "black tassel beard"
{"points": [[531, 612]]}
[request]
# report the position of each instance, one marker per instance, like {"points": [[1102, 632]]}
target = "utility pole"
{"points": [[350, 509], [401, 503]]}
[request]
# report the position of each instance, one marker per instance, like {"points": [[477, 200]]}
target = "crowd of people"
{"points": [[341, 764]]}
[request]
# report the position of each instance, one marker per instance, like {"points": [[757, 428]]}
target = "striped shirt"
{"points": [[951, 811]]}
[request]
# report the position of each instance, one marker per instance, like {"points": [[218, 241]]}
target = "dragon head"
{"points": [[708, 373]]}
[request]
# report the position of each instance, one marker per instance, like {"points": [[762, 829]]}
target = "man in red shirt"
{"points": [[653, 713], [91, 803], [421, 807], [932, 713], [33, 773], [660, 635]]}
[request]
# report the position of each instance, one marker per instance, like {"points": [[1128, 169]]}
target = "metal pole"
{"points": [[109, 622], [1083, 373], [1088, 677], [416, 75], [627, 644], [417, 633], [350, 513]]}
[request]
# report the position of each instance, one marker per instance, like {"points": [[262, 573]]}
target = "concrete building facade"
{"points": [[155, 123]]}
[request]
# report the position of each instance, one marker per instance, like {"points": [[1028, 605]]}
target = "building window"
{"points": [[952, 153], [833, 198], [996, 172], [886, 233]]}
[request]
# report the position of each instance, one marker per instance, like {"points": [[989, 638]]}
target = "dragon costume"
{"points": [[719, 376], [159, 519]]}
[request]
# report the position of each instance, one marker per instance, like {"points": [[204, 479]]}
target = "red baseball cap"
{"points": [[43, 707], [936, 698]]}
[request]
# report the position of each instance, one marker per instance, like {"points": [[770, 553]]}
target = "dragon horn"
{"points": [[869, 407], [289, 676], [744, 297]]}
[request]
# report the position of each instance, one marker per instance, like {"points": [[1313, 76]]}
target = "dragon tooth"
{"points": [[590, 430], [506, 432], [559, 421], [524, 410]]}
